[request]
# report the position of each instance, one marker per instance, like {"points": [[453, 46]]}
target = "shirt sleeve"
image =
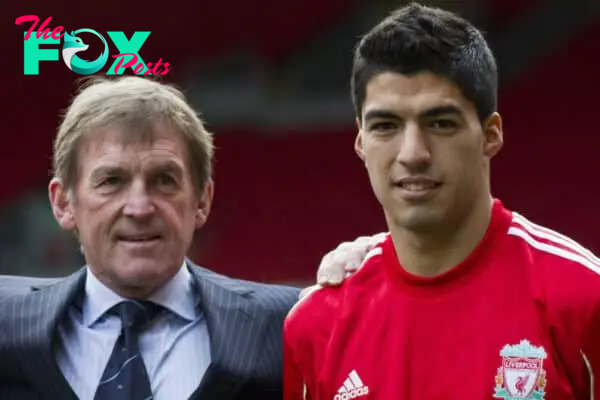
{"points": [[294, 387], [591, 354]]}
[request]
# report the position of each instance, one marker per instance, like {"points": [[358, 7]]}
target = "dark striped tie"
{"points": [[125, 376]]}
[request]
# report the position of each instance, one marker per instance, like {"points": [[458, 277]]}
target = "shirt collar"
{"points": [[177, 295]]}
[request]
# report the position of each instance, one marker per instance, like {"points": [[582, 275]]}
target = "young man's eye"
{"points": [[382, 127], [444, 124]]}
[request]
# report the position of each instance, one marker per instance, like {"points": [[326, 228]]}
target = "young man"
{"points": [[464, 299]]}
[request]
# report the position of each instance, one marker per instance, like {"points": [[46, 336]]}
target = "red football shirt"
{"points": [[518, 319]]}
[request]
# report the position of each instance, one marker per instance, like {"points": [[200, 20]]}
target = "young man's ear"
{"points": [[358, 141], [61, 204], [494, 135]]}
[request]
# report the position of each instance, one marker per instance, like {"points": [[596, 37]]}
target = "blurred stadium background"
{"points": [[271, 80]]}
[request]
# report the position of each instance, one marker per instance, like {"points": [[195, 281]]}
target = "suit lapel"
{"points": [[236, 330], [32, 329], [235, 327]]}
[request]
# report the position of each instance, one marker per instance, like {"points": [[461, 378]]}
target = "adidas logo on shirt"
{"points": [[352, 388]]}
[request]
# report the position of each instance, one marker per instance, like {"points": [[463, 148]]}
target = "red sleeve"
{"points": [[294, 387], [591, 354]]}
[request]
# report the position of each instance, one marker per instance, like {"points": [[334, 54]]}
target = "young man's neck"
{"points": [[428, 255]]}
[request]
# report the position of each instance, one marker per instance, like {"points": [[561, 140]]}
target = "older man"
{"points": [[132, 179]]}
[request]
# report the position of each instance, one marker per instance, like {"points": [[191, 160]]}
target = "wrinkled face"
{"points": [[133, 207], [425, 150]]}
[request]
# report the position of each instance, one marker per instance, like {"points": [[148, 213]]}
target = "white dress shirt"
{"points": [[175, 349]]}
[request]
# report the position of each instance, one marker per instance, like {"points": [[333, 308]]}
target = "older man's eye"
{"points": [[110, 181], [166, 180]]}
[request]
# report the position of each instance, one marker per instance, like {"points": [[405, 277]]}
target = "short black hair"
{"points": [[418, 38]]}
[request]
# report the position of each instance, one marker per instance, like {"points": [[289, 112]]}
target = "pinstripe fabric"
{"points": [[244, 320], [28, 326]]}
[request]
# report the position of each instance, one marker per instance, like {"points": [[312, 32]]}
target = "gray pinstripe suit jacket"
{"points": [[244, 318]]}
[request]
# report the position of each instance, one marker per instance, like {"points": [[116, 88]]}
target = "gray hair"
{"points": [[137, 104]]}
